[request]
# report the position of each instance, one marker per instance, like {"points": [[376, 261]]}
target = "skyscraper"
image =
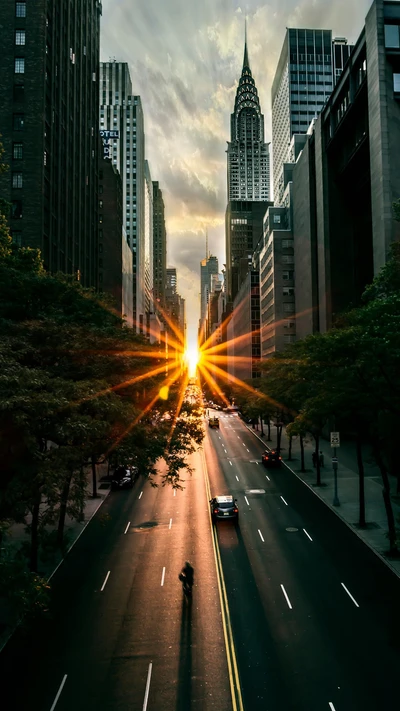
{"points": [[248, 155], [121, 111], [208, 266], [148, 242], [159, 247], [307, 70], [49, 124]]}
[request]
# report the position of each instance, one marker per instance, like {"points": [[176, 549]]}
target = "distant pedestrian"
{"points": [[314, 459], [321, 459]]}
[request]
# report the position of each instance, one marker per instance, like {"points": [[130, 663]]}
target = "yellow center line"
{"points": [[233, 671]]}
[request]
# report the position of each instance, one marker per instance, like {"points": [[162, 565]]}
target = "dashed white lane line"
{"points": [[162, 576], [219, 437], [261, 535], [127, 528], [59, 692], [245, 498], [248, 449], [170, 523], [257, 462], [141, 494], [350, 595], [230, 462], [287, 598], [307, 534], [105, 581], [146, 693], [331, 706], [174, 492], [268, 477], [285, 502], [238, 436], [237, 477]]}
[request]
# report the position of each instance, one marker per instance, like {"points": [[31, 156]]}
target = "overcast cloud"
{"points": [[185, 59]]}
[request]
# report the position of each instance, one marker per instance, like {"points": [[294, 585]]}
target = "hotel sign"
{"points": [[107, 135]]}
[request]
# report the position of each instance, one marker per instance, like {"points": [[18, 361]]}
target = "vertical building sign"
{"points": [[106, 136]]}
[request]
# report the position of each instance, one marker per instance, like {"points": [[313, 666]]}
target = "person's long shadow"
{"points": [[184, 697]]}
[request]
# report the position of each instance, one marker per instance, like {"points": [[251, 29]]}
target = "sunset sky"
{"points": [[185, 59]]}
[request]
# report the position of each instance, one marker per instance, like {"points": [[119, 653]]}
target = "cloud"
{"points": [[185, 59]]}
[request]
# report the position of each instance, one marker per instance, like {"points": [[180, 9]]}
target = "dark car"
{"points": [[270, 458], [213, 422], [123, 478], [224, 507]]}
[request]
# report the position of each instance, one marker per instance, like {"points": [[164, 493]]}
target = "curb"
{"points": [[3, 644], [349, 526]]}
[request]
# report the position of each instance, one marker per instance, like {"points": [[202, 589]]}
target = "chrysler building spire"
{"points": [[248, 154]]}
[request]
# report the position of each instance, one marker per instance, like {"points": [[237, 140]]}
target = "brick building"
{"points": [[49, 116]]}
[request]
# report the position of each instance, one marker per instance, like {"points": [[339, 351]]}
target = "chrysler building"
{"points": [[248, 155]]}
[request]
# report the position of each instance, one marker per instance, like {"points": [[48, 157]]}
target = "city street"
{"points": [[312, 610]]}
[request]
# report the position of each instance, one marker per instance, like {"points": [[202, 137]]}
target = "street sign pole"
{"points": [[335, 442]]}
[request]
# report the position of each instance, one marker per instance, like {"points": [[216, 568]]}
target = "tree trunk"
{"points": [[63, 509], [361, 482], [393, 550], [269, 430], [290, 448], [278, 438], [302, 454], [317, 463], [262, 426], [94, 477], [33, 562]]}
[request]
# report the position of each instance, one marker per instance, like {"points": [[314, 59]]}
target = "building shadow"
{"points": [[184, 697]]}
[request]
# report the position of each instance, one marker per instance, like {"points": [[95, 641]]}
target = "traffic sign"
{"points": [[335, 439]]}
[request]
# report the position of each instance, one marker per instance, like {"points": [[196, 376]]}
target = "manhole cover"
{"points": [[255, 491], [291, 529]]}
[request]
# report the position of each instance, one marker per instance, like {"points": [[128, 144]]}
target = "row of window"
{"points": [[20, 9]]}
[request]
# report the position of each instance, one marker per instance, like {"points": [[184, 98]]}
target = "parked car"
{"points": [[271, 458], [224, 507], [123, 478], [213, 422]]}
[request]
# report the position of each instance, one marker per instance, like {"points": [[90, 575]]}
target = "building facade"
{"points": [[49, 94], [159, 247], [208, 267], [148, 243], [243, 330], [121, 113], [348, 176], [308, 67]]}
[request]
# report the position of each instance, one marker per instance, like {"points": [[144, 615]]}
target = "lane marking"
{"points": [[246, 501], [238, 437], [350, 595], [286, 596], [233, 673], [59, 692], [230, 462], [126, 530], [163, 576], [307, 534], [105, 581], [261, 536], [237, 477], [170, 523], [141, 494], [146, 693], [174, 492], [331, 706], [243, 444], [268, 477], [219, 437], [285, 502], [257, 462], [248, 449]]}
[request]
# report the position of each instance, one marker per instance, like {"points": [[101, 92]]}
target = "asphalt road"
{"points": [[314, 612], [121, 636]]}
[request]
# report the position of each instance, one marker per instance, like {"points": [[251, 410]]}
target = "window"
{"points": [[17, 237], [18, 151], [287, 243], [289, 338], [18, 92], [20, 37], [288, 291], [18, 122], [392, 36], [19, 65], [288, 308], [17, 180], [16, 209], [396, 83], [20, 9], [100, 203], [288, 274], [287, 259], [277, 219]]}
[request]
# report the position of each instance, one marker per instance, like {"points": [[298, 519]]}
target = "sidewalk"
{"points": [[375, 533], [17, 538]]}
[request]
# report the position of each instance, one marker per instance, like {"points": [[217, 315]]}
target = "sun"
{"points": [[192, 358]]}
